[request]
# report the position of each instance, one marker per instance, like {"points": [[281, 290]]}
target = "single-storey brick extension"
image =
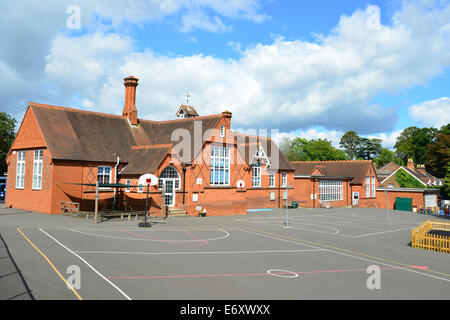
{"points": [[60, 152]]}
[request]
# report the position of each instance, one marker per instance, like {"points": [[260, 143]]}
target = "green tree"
{"points": [[413, 143], [385, 157], [369, 148], [438, 153], [445, 190], [350, 142], [286, 147], [316, 150], [7, 135]]}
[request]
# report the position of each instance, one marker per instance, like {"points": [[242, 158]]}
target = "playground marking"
{"points": [[374, 259], [156, 240], [337, 233], [274, 272], [282, 273], [51, 264], [199, 252], [93, 269]]}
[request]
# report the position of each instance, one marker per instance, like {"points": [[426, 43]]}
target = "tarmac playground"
{"points": [[323, 254]]}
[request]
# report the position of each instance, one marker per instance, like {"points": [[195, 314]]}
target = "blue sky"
{"points": [[306, 68]]}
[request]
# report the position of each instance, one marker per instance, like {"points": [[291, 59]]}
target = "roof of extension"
{"points": [[356, 168], [421, 175]]}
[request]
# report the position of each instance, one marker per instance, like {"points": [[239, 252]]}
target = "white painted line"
{"points": [[298, 228], [351, 256], [371, 234], [93, 269], [282, 273], [197, 252], [155, 240]]}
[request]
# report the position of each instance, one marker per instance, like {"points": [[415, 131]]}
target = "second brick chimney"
{"points": [[410, 164], [129, 109]]}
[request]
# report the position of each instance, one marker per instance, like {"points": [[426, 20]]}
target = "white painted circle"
{"points": [[285, 273], [226, 235]]}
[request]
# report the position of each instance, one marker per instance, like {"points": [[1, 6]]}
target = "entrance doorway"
{"points": [[355, 199], [171, 179]]}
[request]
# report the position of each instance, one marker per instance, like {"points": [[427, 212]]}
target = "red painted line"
{"points": [[194, 236], [420, 267], [245, 274], [168, 241]]}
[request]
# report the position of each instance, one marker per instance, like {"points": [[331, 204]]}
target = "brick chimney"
{"points": [[410, 164], [421, 168], [129, 109]]}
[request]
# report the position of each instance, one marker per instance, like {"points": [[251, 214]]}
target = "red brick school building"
{"points": [[59, 153]]}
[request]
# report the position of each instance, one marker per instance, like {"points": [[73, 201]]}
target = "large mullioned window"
{"points": [[331, 190], [20, 171], [373, 188], [220, 166], [37, 169], [367, 187], [256, 175]]}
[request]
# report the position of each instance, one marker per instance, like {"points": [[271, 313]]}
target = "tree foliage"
{"points": [[7, 135], [312, 150], [438, 153], [413, 143], [350, 143], [445, 190], [385, 157]]}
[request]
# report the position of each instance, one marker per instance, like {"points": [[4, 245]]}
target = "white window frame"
{"points": [[284, 179], [222, 131], [38, 163], [140, 188], [373, 188], [103, 174], [20, 169], [331, 190], [272, 196], [219, 173], [256, 175], [173, 177], [272, 180], [128, 183], [367, 187]]}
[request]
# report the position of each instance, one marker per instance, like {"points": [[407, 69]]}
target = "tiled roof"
{"points": [[72, 134], [387, 169], [357, 169]]}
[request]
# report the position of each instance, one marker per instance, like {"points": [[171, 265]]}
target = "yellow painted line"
{"points": [[51, 264], [345, 250]]}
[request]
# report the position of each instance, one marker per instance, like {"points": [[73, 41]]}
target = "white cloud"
{"points": [[290, 85], [388, 141], [434, 113]]}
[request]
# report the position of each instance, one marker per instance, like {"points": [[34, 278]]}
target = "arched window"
{"points": [[170, 174]]}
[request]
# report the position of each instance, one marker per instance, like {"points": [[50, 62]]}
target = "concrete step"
{"points": [[177, 212]]}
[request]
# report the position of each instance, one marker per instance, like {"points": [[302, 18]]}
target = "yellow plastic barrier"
{"points": [[420, 238]]}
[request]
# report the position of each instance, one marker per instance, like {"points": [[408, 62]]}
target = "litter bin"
{"points": [[447, 210]]}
